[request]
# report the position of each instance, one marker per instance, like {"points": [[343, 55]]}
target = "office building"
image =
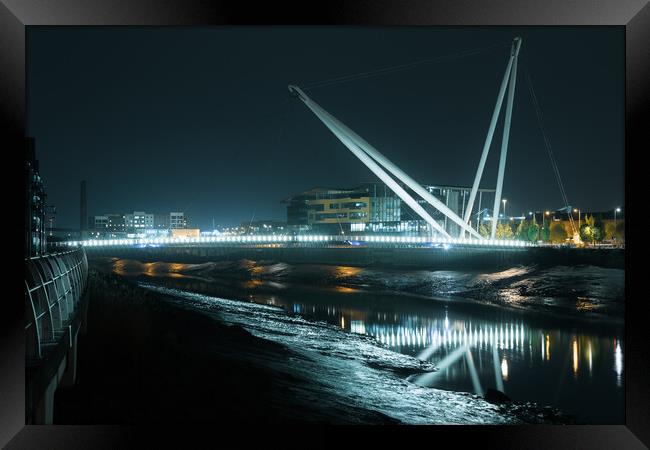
{"points": [[35, 223], [373, 207]]}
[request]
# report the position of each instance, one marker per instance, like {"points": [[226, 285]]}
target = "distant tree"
{"points": [[610, 231], [545, 233], [590, 231], [558, 233], [620, 231], [504, 231], [599, 230], [522, 230], [533, 231], [484, 230]]}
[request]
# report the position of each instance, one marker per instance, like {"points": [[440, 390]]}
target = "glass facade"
{"points": [[377, 207]]}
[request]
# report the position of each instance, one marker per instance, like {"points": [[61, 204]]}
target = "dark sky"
{"points": [[200, 119]]}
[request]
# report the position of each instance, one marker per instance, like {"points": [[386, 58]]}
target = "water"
{"points": [[552, 336]]}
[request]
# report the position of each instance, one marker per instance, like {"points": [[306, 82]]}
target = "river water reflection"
{"points": [[578, 369], [574, 365]]}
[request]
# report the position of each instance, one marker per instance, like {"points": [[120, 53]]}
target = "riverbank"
{"points": [[145, 359]]}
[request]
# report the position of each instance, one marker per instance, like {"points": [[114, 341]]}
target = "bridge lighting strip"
{"points": [[299, 238]]}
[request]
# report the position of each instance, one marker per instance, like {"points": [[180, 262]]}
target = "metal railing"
{"points": [[54, 285]]}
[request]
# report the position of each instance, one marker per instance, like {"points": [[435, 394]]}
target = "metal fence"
{"points": [[54, 285]]}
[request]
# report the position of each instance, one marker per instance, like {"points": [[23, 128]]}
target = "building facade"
{"points": [[35, 223], [177, 220], [138, 223], [455, 198], [373, 207]]}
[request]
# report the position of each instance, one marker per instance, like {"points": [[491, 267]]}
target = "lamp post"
{"points": [[617, 210], [579, 212], [504, 207]]}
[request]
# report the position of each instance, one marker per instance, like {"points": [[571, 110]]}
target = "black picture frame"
{"points": [[634, 15]]}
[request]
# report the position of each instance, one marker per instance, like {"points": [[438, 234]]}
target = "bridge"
{"points": [[416, 252], [56, 305]]}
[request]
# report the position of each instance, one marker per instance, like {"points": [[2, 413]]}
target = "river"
{"points": [[553, 336]]}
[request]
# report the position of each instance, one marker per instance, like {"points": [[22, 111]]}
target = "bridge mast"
{"points": [[506, 135], [371, 154], [488, 139], [335, 128]]}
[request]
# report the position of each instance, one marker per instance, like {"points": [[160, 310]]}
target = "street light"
{"points": [[504, 207], [617, 210], [578, 211]]}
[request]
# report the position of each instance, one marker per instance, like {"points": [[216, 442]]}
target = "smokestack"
{"points": [[83, 216]]}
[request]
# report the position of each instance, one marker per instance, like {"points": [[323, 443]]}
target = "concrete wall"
{"points": [[457, 258]]}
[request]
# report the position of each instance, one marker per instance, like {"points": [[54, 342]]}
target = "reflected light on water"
{"points": [[358, 326], [345, 289], [618, 363], [575, 356], [504, 369]]}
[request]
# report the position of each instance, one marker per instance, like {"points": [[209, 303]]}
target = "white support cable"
{"points": [[547, 143]]}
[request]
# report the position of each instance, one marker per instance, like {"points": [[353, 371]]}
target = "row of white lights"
{"points": [[299, 238], [503, 337]]}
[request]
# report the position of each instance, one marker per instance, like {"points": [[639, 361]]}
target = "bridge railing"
{"points": [[294, 239], [54, 285]]}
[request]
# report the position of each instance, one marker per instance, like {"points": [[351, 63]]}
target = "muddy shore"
{"points": [[146, 361]]}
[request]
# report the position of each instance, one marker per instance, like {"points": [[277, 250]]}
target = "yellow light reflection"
{"points": [[346, 271], [504, 369], [345, 289], [575, 356], [548, 347]]}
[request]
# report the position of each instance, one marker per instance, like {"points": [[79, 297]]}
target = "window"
{"points": [[324, 216], [358, 215], [355, 205]]}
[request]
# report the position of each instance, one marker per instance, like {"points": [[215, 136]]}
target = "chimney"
{"points": [[83, 216]]}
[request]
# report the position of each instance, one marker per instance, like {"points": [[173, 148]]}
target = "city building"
{"points": [[185, 232], [35, 223], [138, 220], [137, 223], [455, 198], [177, 220], [264, 227], [161, 221], [373, 207]]}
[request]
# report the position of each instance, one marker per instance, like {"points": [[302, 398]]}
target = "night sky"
{"points": [[200, 119]]}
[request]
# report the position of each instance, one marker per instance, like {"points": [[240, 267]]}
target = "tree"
{"points": [[533, 231], [610, 231], [590, 231], [522, 230], [620, 231], [484, 231], [599, 230], [545, 233], [558, 233], [504, 231]]}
